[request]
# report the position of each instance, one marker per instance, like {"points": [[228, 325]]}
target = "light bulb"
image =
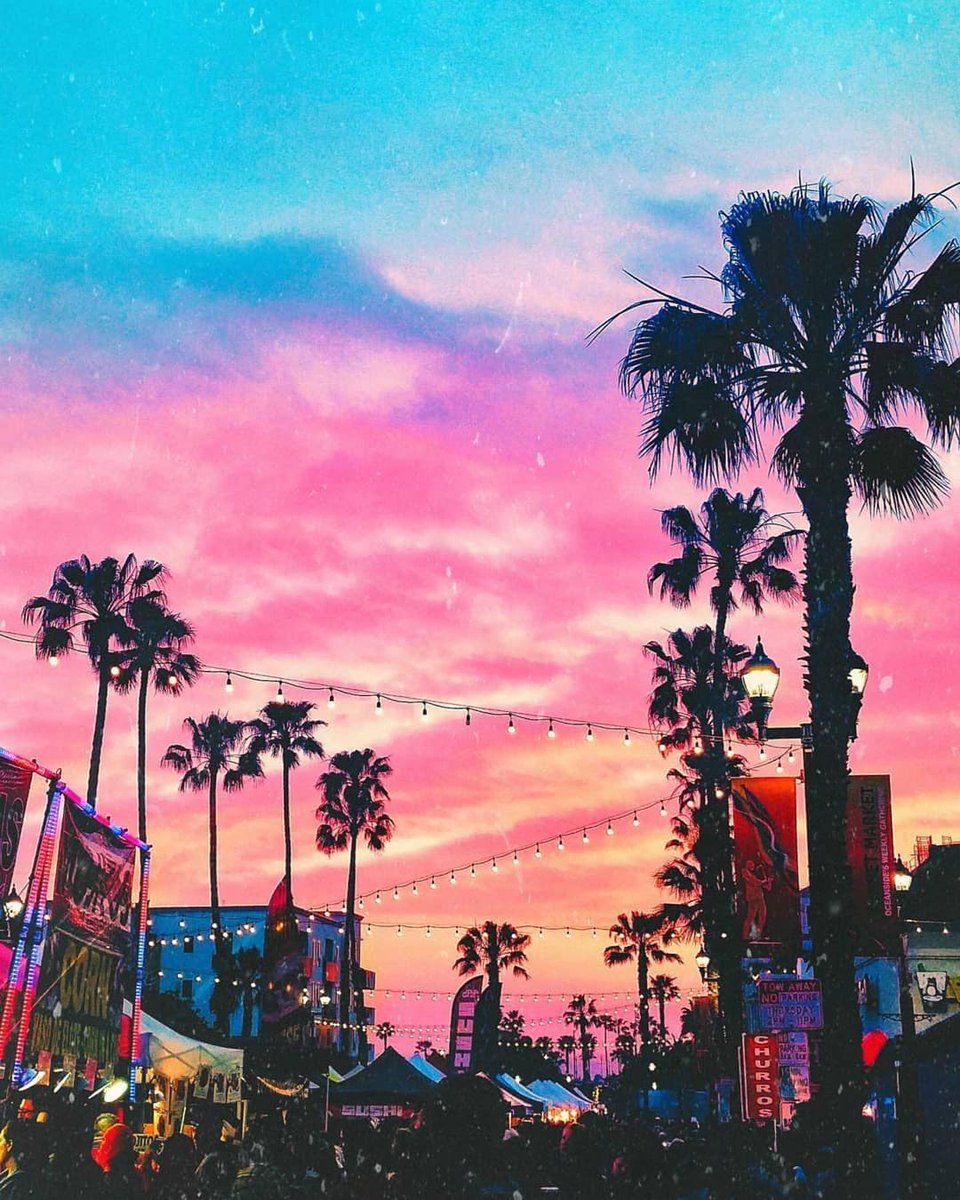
{"points": [[560, 843], [427, 934], [516, 859], [114, 670], [609, 829], [54, 660], [626, 737], [663, 809], [636, 820], [585, 837], [662, 747], [171, 681], [511, 728], [378, 899], [331, 699], [593, 933], [540, 933], [589, 733], [729, 749], [790, 755], [467, 721], [697, 746], [360, 902], [763, 751], [396, 893], [399, 931], [279, 689], [423, 712], [718, 792], [473, 871], [414, 891], [779, 767], [379, 706], [228, 686], [568, 931], [453, 879], [494, 867], [536, 853], [551, 732]]}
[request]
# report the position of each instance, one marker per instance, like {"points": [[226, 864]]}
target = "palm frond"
{"points": [[895, 473]]}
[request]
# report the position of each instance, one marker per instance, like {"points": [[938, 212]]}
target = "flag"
{"points": [[765, 852]]}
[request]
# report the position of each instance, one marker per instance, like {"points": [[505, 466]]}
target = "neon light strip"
{"points": [[141, 971], [47, 841]]}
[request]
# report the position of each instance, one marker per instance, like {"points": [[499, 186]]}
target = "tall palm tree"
{"points": [[824, 339], [215, 755], [353, 806], [663, 989], [582, 1014], [640, 938], [608, 1023], [155, 652], [285, 729], [89, 601], [492, 948], [385, 1031], [567, 1044]]}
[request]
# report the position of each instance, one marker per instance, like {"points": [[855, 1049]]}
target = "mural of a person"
{"points": [[757, 881]]}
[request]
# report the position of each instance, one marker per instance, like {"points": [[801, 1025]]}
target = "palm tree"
{"points": [[385, 1031], [681, 877], [492, 948], [567, 1044], [285, 730], [215, 755], [353, 806], [511, 1025], [155, 651], [625, 1045], [607, 1022], [663, 989], [824, 339], [90, 601], [545, 1046], [249, 974], [424, 1046], [641, 939], [582, 1013]]}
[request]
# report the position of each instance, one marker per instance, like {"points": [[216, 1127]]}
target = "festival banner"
{"points": [[14, 789], [463, 1026], [765, 852], [281, 1013], [85, 969], [870, 854]]}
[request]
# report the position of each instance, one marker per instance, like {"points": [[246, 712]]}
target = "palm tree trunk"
{"points": [[100, 720], [287, 840], [662, 1006], [584, 1052], [247, 1028], [828, 600], [214, 887], [142, 755], [644, 998], [346, 973]]}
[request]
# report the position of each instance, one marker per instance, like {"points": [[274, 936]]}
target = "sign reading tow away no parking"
{"points": [[790, 1004]]}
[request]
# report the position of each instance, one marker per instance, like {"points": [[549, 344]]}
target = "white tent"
{"points": [[557, 1096], [176, 1056]]}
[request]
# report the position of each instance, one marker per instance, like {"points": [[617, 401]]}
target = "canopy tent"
{"points": [[176, 1056], [428, 1070], [557, 1096], [509, 1084], [514, 1102], [389, 1086]]}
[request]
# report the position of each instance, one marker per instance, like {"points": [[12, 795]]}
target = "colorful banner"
{"points": [[282, 1015], [760, 1094], [871, 858], [14, 789], [463, 1026], [85, 969], [765, 852]]}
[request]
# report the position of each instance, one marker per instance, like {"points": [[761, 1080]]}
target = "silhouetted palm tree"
{"points": [[285, 730], [91, 601], [353, 806], [640, 939], [824, 339], [663, 989], [424, 1046], [385, 1031], [567, 1044], [215, 755], [155, 651], [492, 948], [582, 1013]]}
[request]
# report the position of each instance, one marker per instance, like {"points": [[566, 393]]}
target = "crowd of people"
{"points": [[459, 1148]]}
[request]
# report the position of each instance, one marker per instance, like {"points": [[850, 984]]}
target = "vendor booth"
{"points": [[186, 1067], [389, 1087]]}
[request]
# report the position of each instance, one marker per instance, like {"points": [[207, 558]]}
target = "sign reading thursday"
{"points": [[790, 1004]]}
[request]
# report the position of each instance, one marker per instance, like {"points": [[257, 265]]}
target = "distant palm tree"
{"points": [[215, 755], [663, 989], [353, 806], [825, 338], [385, 1031], [582, 1013], [546, 1046], [90, 601], [511, 1025], [249, 974], [567, 1044], [155, 651], [640, 939], [285, 730], [607, 1022], [424, 1046], [625, 1046], [493, 948]]}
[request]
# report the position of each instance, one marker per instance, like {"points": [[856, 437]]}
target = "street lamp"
{"points": [[703, 962], [13, 906], [902, 876]]}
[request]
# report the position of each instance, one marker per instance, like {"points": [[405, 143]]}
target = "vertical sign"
{"points": [[870, 854], [765, 850], [463, 1026], [14, 788], [761, 1077], [85, 969]]}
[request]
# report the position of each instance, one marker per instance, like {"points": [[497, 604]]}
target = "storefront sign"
{"points": [[760, 1093]]}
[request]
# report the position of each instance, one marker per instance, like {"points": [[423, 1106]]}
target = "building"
{"points": [[180, 960]]}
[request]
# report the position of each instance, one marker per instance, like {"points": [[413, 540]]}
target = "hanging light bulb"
{"points": [[718, 792], [423, 712], [568, 931], [396, 893], [453, 879], [494, 867], [378, 899], [414, 891], [790, 755], [536, 853], [467, 722], [378, 709], [172, 680], [511, 728], [585, 837], [663, 809], [551, 732], [115, 671], [560, 842], [360, 902], [779, 766], [428, 932], [697, 745], [433, 883], [540, 932], [636, 820], [228, 686], [593, 933], [279, 689], [729, 748], [662, 747], [626, 737], [589, 733], [763, 750], [516, 859], [399, 931], [54, 660], [473, 870], [331, 699], [609, 829]]}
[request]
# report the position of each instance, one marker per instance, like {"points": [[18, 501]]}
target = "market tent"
{"points": [[508, 1083], [513, 1101], [176, 1056], [426, 1069], [389, 1079], [557, 1096]]}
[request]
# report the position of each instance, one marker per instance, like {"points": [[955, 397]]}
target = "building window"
{"points": [[330, 950], [186, 989], [188, 945]]}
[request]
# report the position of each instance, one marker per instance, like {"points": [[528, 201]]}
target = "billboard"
{"points": [[85, 969], [871, 858], [765, 853], [463, 1026], [14, 789]]}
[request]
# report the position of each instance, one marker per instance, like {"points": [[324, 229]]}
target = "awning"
{"points": [[425, 1068]]}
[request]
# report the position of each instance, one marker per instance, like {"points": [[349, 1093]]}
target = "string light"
{"points": [[54, 660], [423, 712], [396, 893], [763, 750], [115, 671], [378, 899], [473, 871], [453, 879], [379, 706], [663, 809], [790, 755], [536, 853], [494, 867], [551, 732], [414, 891], [467, 722], [626, 737], [228, 686], [433, 883], [331, 700], [609, 830], [636, 819], [779, 767], [516, 859], [589, 733], [511, 728], [279, 689], [560, 842], [585, 837], [662, 747]]}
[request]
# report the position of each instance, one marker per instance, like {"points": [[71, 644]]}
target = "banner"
{"points": [[871, 858], [14, 789], [85, 969], [760, 1095], [282, 1015], [765, 852], [463, 1026]]}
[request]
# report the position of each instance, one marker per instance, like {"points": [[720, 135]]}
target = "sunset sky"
{"points": [[294, 298]]}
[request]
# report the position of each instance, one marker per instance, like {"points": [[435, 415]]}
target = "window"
{"points": [[186, 989], [329, 950], [188, 945]]}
